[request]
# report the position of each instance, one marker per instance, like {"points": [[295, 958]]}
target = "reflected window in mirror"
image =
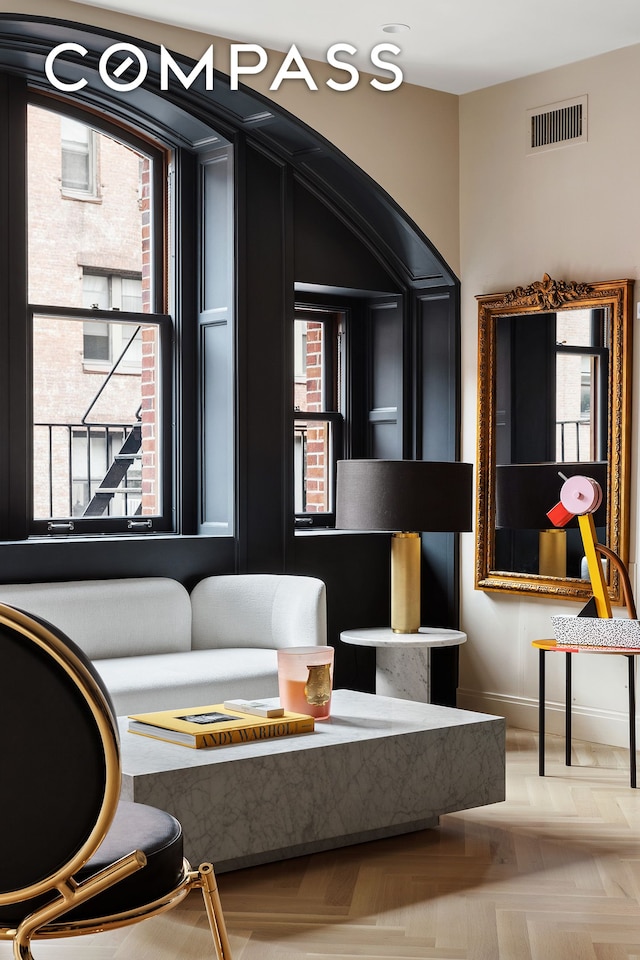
{"points": [[582, 367], [551, 387]]}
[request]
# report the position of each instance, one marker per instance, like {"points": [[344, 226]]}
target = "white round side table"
{"points": [[405, 675]]}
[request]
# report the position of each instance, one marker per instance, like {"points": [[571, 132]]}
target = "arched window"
{"points": [[119, 285]]}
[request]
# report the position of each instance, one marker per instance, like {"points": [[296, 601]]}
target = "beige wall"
{"points": [[573, 213], [406, 140]]}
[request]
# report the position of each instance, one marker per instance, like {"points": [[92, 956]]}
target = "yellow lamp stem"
{"points": [[596, 573], [405, 582]]}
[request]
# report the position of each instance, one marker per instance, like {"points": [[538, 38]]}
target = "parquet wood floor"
{"points": [[551, 874]]}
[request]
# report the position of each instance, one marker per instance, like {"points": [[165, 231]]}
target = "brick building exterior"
{"points": [[89, 248], [312, 437]]}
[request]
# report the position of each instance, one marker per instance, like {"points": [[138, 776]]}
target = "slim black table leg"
{"points": [[541, 704], [567, 711], [632, 720]]}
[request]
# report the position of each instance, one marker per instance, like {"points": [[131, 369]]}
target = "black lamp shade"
{"points": [[404, 495], [525, 492]]}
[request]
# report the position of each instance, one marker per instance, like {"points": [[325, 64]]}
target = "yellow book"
{"points": [[216, 726]]}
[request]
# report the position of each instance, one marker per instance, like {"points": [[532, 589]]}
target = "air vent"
{"points": [[557, 125]]}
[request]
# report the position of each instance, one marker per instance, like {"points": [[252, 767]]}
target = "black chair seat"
{"points": [[135, 827]]}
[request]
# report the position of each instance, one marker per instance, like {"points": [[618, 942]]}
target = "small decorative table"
{"points": [[406, 677], [545, 646]]}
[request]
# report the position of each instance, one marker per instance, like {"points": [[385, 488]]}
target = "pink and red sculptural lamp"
{"points": [[580, 497], [523, 492]]}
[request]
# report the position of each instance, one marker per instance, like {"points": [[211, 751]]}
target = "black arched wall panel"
{"points": [[327, 252], [189, 115], [265, 384]]}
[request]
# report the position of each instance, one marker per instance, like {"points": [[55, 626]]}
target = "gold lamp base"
{"points": [[552, 553], [405, 582]]}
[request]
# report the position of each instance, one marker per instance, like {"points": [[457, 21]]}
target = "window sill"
{"points": [[331, 531], [79, 195], [97, 366], [111, 537]]}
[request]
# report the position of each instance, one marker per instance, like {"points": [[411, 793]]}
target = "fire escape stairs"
{"points": [[110, 484]]}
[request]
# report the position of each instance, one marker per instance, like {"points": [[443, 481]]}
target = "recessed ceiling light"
{"points": [[396, 27]]}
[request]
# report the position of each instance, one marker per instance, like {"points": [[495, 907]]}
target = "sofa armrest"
{"points": [[258, 610]]}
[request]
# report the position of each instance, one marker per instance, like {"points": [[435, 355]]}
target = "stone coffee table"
{"points": [[377, 768]]}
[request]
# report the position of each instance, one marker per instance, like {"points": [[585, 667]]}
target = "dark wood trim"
{"points": [[14, 366]]}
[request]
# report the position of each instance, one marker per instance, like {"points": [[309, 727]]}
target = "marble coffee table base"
{"points": [[379, 767]]}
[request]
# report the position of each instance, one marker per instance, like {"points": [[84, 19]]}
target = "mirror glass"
{"points": [[553, 401]]}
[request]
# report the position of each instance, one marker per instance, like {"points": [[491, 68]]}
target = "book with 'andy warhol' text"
{"points": [[216, 726]]}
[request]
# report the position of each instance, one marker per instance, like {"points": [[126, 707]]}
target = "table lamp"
{"points": [[405, 497], [582, 497]]}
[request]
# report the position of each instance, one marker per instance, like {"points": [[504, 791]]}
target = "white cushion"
{"points": [[258, 610], [111, 618], [193, 679]]}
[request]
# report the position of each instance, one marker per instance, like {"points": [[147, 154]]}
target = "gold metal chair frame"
{"points": [[48, 921]]}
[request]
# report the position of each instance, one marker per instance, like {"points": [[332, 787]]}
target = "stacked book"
{"points": [[234, 721]]}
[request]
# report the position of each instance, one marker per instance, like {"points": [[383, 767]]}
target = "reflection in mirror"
{"points": [[525, 539], [554, 371]]}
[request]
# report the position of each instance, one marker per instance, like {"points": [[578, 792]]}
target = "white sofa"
{"points": [[158, 647]]}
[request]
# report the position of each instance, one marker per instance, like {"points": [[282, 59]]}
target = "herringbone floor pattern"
{"points": [[551, 874]]}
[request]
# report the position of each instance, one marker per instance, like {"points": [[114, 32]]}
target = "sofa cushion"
{"points": [[111, 618], [193, 679], [258, 610]]}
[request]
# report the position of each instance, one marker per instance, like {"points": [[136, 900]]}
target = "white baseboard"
{"points": [[598, 726]]}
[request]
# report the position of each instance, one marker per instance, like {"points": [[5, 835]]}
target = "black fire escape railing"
{"points": [[571, 434], [114, 479], [110, 484], [129, 438]]}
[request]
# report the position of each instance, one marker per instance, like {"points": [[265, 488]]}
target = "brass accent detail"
{"points": [[616, 297], [553, 553], [405, 582], [548, 294], [317, 689]]}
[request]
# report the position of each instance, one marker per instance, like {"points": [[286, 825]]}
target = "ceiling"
{"points": [[452, 45]]}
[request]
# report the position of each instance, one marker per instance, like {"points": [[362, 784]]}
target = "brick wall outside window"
{"points": [[69, 236]]}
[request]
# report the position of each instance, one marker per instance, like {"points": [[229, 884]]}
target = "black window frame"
{"points": [[334, 412], [87, 525], [17, 521]]}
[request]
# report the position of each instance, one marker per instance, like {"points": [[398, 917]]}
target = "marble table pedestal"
{"points": [[403, 660], [378, 767]]}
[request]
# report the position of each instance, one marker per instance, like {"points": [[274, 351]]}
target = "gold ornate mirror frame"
{"points": [[547, 296]]}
